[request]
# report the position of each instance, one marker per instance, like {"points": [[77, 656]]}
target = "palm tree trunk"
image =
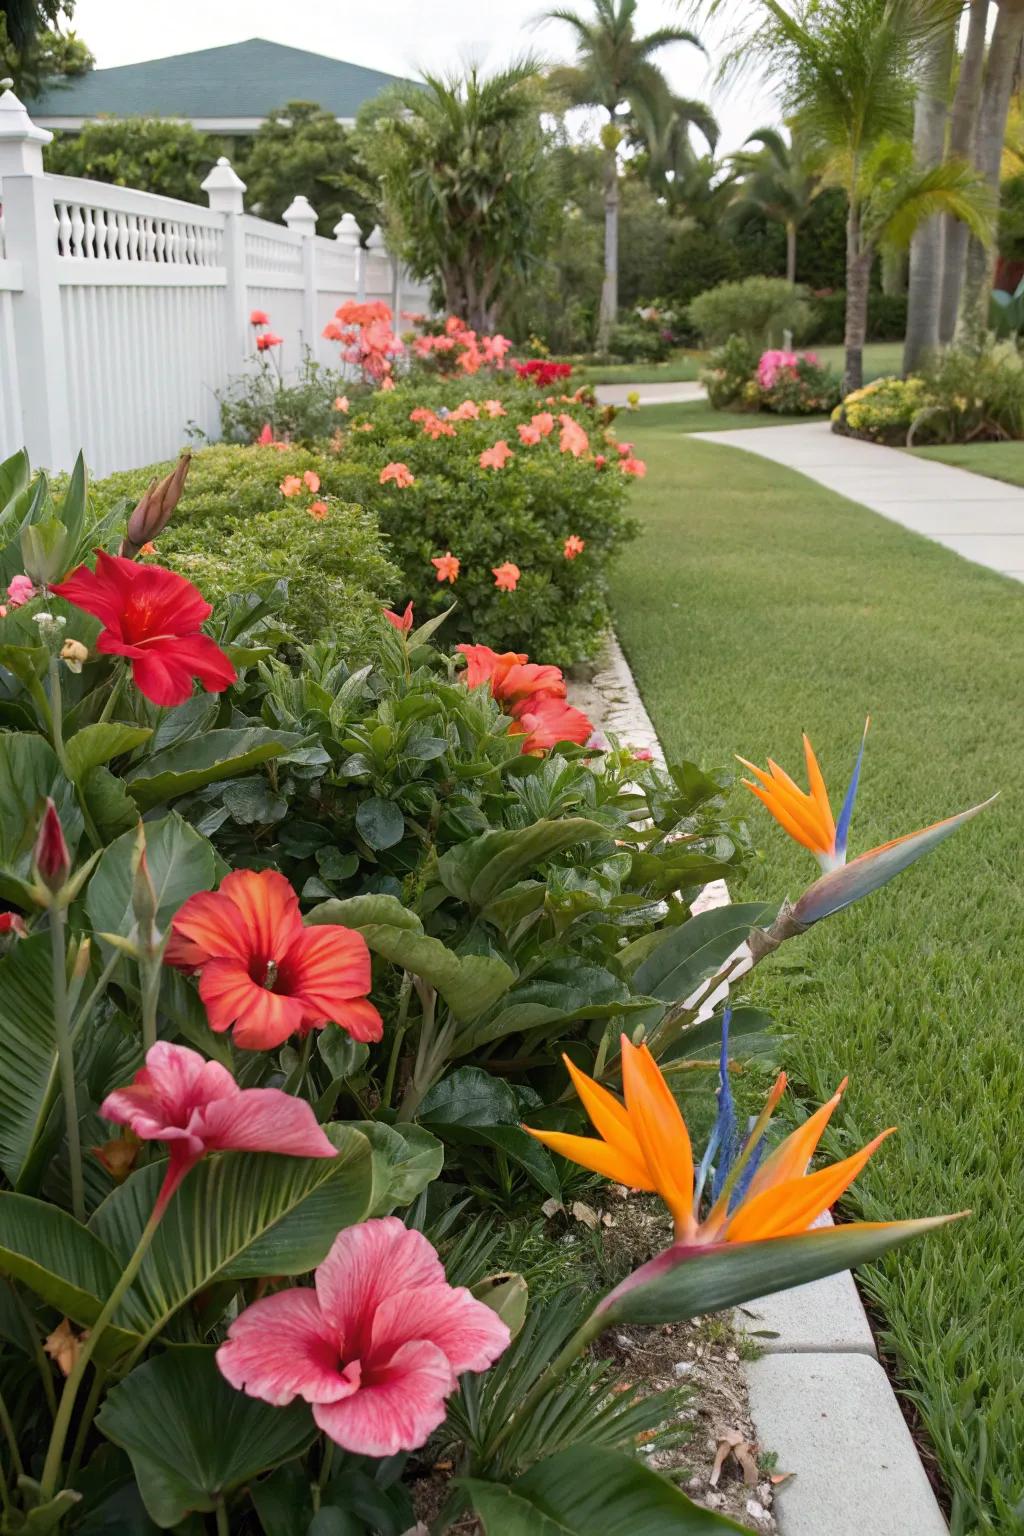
{"points": [[962, 122], [924, 287], [858, 271], [992, 114], [790, 252], [609, 311]]}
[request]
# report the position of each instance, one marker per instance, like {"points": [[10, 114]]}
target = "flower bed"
{"points": [[286, 935], [788, 383]]}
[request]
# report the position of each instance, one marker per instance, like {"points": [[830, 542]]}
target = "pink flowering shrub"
{"points": [[366, 338]]}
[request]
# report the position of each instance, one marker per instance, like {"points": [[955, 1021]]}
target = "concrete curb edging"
{"points": [[818, 1395]]}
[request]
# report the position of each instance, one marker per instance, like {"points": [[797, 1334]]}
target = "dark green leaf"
{"points": [[95, 745], [205, 759], [406, 1158], [480, 869], [380, 823], [697, 949], [470, 1096], [191, 1437], [180, 860], [343, 1055]]}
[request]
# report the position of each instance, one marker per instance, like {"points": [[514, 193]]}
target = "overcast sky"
{"points": [[403, 37]]}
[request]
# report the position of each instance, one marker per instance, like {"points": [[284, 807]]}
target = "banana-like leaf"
{"points": [[207, 759], [469, 984], [685, 1281], [697, 949], [29, 771], [180, 861], [192, 1437], [871, 870], [95, 745], [590, 1491], [28, 1057], [60, 1260], [476, 871], [237, 1216]]}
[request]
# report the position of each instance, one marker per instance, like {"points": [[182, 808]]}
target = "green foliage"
{"points": [[636, 340], [34, 50], [150, 153], [298, 411], [759, 309], [234, 531], [730, 369], [966, 396], [807, 389], [887, 316], [462, 173], [302, 150], [883, 411]]}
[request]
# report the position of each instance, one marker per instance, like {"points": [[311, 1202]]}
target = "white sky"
{"points": [[402, 37]]}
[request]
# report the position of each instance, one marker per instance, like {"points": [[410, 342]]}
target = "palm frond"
{"points": [[897, 207]]}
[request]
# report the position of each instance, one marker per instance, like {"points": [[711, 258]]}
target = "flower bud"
{"points": [[13, 923], [119, 1155], [74, 654], [154, 511], [52, 859], [144, 899]]}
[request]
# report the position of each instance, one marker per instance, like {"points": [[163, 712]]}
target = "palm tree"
{"points": [[931, 108], [1003, 54], [779, 182], [615, 70], [665, 142], [846, 72], [962, 124]]}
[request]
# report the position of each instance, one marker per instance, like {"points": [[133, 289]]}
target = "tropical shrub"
{"points": [[728, 374], [883, 411], [790, 383], [976, 396], [887, 317], [636, 340], [235, 532], [759, 309], [260, 406]]}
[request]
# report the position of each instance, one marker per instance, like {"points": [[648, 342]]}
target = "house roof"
{"points": [[246, 80]]}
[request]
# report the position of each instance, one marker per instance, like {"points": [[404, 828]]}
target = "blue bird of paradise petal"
{"points": [[846, 814]]}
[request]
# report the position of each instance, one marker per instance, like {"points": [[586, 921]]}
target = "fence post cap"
{"points": [[224, 187], [347, 228], [21, 140], [375, 240], [300, 215]]}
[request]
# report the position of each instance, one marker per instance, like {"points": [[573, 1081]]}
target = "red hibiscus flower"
{"points": [[153, 617], [261, 970]]}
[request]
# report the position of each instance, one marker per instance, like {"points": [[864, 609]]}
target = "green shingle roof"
{"points": [[249, 79]]}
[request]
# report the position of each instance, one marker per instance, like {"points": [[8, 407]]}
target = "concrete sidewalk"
{"points": [[978, 518], [650, 394]]}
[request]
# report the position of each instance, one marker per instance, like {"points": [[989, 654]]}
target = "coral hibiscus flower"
{"points": [[573, 546], [261, 970], [376, 1345], [506, 576], [153, 617], [400, 474], [496, 457], [545, 721], [572, 439], [447, 566]]}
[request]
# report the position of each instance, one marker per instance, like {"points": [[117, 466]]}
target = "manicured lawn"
{"points": [[1000, 461], [697, 416], [755, 605], [880, 357]]}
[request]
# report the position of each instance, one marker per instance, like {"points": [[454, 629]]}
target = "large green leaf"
{"points": [[57, 1258], [563, 992], [191, 1437], [206, 759], [471, 1108], [29, 771], [590, 1491], [238, 1215], [697, 949], [671, 1288], [477, 870], [180, 861], [28, 1060], [95, 745], [469, 984], [405, 1160]]}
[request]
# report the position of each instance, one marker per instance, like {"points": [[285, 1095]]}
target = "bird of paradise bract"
{"points": [[807, 817], [751, 1235]]}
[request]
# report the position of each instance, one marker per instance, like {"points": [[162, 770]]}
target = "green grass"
{"points": [[1000, 461], [754, 605], [698, 416], [880, 358]]}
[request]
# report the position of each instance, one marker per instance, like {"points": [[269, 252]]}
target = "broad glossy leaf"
{"points": [[29, 771], [192, 1437], [697, 949], [238, 1215], [95, 745], [25, 662], [471, 1108], [28, 1059], [671, 1287], [565, 991], [180, 860], [110, 805], [476, 871], [342, 1055], [205, 759], [405, 1160], [590, 1491], [380, 822], [57, 1258], [468, 983]]}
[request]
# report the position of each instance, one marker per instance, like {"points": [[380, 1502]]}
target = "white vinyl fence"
{"points": [[122, 313]]}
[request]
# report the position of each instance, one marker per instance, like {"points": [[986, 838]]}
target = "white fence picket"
{"points": [[121, 312]]}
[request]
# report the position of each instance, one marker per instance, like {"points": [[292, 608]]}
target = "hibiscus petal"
{"points": [[269, 910], [202, 656], [365, 1266], [262, 1019], [262, 1120], [398, 1411], [470, 1334], [281, 1348], [161, 677], [327, 967], [206, 927]]}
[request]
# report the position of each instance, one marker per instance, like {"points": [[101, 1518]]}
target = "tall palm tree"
{"points": [[962, 125], [931, 109], [846, 71], [664, 140], [1003, 56], [780, 182], [615, 71]]}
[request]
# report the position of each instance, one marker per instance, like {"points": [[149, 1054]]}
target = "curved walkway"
{"points": [[978, 518], [650, 394]]}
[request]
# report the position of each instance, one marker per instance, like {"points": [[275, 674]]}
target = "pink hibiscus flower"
{"points": [[529, 435], [399, 474], [375, 1347]]}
